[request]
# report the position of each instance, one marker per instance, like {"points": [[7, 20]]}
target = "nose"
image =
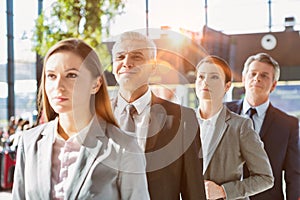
{"points": [[60, 83], [127, 62], [202, 81], [205, 80], [257, 77]]}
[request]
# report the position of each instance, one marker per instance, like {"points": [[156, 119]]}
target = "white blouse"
{"points": [[64, 156]]}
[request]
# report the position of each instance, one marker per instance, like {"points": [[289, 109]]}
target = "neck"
{"points": [[209, 109], [255, 100], [131, 96], [69, 126]]}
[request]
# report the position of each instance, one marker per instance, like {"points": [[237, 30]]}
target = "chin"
{"points": [[61, 110]]}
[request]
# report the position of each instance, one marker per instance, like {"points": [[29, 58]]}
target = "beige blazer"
{"points": [[110, 165], [238, 143]]}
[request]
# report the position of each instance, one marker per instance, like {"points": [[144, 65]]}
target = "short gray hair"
{"points": [[264, 58], [136, 36]]}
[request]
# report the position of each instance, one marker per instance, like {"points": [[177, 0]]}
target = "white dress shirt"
{"points": [[64, 156], [141, 117], [259, 117], [207, 129]]}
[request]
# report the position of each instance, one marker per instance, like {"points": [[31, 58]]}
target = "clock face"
{"points": [[268, 42]]}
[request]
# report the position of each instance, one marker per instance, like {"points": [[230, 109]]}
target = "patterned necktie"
{"points": [[250, 113], [128, 123]]}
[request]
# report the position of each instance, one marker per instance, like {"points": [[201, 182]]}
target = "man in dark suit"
{"points": [[165, 131], [278, 131]]}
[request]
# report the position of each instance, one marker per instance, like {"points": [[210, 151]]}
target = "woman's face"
{"points": [[210, 83], [68, 83]]}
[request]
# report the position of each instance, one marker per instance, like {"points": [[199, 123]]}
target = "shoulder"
{"points": [[168, 105], [228, 103], [36, 131], [30, 137], [281, 115], [236, 119], [172, 107], [233, 105], [241, 126]]}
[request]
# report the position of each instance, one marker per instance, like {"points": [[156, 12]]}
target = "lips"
{"points": [[60, 98], [127, 72], [256, 86]]}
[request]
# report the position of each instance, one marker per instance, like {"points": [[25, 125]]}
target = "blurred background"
{"points": [[184, 32]]}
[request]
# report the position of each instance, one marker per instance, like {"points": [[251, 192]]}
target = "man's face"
{"points": [[259, 81], [132, 65]]}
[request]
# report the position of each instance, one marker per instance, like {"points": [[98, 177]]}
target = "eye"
{"points": [[72, 75], [119, 57], [264, 76], [252, 74], [201, 76], [214, 77], [137, 57], [51, 76]]}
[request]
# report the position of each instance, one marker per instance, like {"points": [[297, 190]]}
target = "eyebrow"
{"points": [[260, 72], [136, 52], [71, 69], [130, 52]]}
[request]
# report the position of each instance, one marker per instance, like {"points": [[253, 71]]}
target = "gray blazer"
{"points": [[110, 165], [238, 143], [280, 135]]}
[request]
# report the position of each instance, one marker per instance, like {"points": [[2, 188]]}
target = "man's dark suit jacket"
{"points": [[172, 152], [280, 134]]}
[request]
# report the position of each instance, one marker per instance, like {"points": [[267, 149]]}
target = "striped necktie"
{"points": [[128, 123]]}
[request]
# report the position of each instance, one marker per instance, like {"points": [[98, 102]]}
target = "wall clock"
{"points": [[268, 41]]}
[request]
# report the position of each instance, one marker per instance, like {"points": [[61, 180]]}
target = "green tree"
{"points": [[83, 19]]}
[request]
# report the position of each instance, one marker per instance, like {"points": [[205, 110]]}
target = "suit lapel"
{"points": [[88, 153], [217, 136], [44, 157], [267, 121], [158, 119]]}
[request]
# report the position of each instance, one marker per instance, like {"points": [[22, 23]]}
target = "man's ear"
{"points": [[273, 86], [96, 85], [243, 80], [153, 64]]}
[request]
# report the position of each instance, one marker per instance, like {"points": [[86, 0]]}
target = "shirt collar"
{"points": [[213, 119], [140, 104], [79, 137], [261, 109]]}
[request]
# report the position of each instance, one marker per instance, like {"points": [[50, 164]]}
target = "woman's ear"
{"points": [[96, 85], [227, 86]]}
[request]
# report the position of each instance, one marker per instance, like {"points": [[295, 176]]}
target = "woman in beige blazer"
{"points": [[79, 152], [228, 140]]}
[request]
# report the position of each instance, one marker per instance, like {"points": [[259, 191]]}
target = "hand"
{"points": [[213, 191]]}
